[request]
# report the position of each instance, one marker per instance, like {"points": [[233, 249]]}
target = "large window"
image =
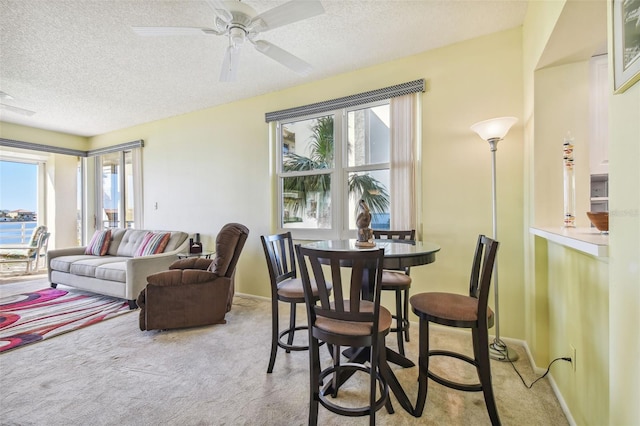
{"points": [[331, 154], [19, 194], [333, 160]]}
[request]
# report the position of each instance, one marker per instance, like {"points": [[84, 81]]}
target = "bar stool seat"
{"points": [[456, 310]]}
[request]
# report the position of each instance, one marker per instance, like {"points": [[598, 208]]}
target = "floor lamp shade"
{"points": [[493, 131], [495, 128]]}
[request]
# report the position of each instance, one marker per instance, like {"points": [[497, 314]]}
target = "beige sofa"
{"points": [[118, 273]]}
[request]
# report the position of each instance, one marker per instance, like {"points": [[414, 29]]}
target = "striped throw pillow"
{"points": [[153, 243], [99, 244]]}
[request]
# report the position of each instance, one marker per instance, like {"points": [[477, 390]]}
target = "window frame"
{"points": [[339, 174]]}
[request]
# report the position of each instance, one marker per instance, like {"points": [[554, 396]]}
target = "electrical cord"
{"points": [[506, 355]]}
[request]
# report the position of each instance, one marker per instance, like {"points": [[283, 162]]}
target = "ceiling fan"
{"points": [[3, 106], [239, 22]]}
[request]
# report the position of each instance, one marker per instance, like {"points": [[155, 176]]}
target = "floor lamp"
{"points": [[493, 131]]}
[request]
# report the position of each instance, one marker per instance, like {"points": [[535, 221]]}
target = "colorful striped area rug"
{"points": [[31, 317]]}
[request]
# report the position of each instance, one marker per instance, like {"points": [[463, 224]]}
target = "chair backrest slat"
{"points": [[361, 267], [382, 234], [481, 271]]}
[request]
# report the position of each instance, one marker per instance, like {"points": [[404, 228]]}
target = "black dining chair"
{"points": [[456, 310], [285, 287], [398, 281], [345, 320]]}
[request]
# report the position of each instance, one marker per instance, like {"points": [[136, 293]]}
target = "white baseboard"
{"points": [[552, 382], [253, 296]]}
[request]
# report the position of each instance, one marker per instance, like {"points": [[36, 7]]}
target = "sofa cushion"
{"points": [[113, 271], [131, 240], [63, 263], [175, 240], [99, 243], [87, 267], [153, 243], [116, 239]]}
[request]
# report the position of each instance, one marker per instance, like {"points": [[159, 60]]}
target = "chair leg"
{"points": [[292, 324], [274, 334], [373, 365], [314, 391], [406, 324], [383, 366], [423, 367], [336, 363], [481, 352], [399, 321]]}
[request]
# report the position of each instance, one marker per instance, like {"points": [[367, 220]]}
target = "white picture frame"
{"points": [[626, 44]]}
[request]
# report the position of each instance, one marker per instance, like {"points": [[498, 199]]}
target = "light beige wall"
{"points": [[210, 167], [206, 169], [578, 293], [470, 82], [45, 137]]}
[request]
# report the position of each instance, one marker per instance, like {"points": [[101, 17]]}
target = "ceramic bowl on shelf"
{"points": [[600, 220]]}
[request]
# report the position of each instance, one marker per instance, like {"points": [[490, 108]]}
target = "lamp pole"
{"points": [[498, 350], [493, 131]]}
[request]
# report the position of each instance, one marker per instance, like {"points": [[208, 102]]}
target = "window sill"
{"points": [[586, 240]]}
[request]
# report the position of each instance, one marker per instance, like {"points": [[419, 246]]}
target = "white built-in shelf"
{"points": [[586, 240]]}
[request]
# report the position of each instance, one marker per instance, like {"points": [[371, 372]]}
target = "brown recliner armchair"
{"points": [[194, 291]]}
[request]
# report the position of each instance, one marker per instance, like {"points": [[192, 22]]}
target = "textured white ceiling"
{"points": [[81, 68]]}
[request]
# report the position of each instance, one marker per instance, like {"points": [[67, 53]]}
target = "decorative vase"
{"points": [[569, 182]]}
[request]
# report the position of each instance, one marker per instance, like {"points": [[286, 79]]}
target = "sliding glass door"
{"points": [[116, 181]]}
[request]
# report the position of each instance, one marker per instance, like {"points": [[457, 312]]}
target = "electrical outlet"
{"points": [[573, 357]]}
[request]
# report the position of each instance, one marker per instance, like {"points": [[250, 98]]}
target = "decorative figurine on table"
{"points": [[365, 234]]}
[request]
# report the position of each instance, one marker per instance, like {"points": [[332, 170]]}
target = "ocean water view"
{"points": [[16, 232]]}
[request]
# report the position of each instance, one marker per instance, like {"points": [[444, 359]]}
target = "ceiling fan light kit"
{"points": [[240, 22]]}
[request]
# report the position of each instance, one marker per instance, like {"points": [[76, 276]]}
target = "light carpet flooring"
{"points": [[112, 373]]}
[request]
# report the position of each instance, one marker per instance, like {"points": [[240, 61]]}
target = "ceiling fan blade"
{"points": [[172, 31], [285, 58], [229, 69], [286, 13], [17, 110], [220, 9]]}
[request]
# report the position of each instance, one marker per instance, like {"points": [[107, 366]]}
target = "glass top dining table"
{"points": [[397, 254]]}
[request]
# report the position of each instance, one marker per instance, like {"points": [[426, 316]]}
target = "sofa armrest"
{"points": [[139, 268], [71, 251]]}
